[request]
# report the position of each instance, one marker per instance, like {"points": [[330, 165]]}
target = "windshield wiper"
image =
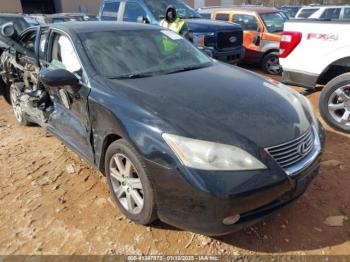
{"points": [[134, 76], [184, 69]]}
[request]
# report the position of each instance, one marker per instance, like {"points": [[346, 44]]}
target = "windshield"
{"points": [[158, 8], [19, 23], [141, 53], [274, 22]]}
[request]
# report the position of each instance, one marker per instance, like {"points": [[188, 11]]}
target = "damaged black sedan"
{"points": [[199, 144]]}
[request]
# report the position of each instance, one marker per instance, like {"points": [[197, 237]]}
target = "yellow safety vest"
{"points": [[175, 26]]}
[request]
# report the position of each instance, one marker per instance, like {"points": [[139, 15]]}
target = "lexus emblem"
{"points": [[232, 39], [302, 149]]}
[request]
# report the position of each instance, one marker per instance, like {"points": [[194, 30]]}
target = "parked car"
{"points": [[262, 28], [220, 40], [291, 10], [325, 12], [210, 157], [318, 53], [20, 23], [207, 11], [62, 17]]}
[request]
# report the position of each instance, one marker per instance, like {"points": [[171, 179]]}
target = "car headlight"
{"points": [[199, 38], [204, 155]]}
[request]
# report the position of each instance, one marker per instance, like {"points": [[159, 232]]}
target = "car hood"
{"points": [[220, 103], [205, 25]]}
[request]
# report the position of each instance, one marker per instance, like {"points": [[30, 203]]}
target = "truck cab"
{"points": [[262, 27], [222, 41]]}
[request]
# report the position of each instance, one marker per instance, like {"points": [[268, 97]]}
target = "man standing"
{"points": [[173, 22]]}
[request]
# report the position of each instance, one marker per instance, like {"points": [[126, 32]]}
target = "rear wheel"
{"points": [[335, 103], [14, 92], [270, 64], [129, 184]]}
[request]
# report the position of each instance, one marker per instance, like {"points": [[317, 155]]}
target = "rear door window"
{"points": [[133, 11], [222, 17], [248, 22], [110, 11], [307, 12], [331, 13]]}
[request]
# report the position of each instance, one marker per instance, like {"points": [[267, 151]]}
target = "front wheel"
{"points": [[129, 183], [270, 64], [335, 103]]}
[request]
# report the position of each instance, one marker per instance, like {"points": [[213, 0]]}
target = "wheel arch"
{"points": [[269, 51], [333, 70], [107, 141]]}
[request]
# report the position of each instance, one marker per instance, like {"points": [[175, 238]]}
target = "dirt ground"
{"points": [[52, 202]]}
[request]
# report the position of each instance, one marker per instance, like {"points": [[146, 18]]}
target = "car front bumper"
{"points": [[232, 56], [199, 201]]}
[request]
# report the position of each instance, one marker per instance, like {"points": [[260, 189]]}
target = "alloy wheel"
{"points": [[273, 65], [339, 105], [126, 183]]}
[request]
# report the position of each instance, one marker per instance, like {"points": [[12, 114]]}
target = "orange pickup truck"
{"points": [[262, 28]]}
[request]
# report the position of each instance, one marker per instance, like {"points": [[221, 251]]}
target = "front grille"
{"points": [[210, 40], [223, 39], [294, 151]]}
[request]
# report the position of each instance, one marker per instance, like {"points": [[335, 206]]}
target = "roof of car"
{"points": [[69, 14], [98, 26], [323, 6], [256, 9], [11, 15]]}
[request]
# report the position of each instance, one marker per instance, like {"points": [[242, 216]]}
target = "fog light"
{"points": [[231, 220]]}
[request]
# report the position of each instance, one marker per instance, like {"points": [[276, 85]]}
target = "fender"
{"points": [[128, 121], [332, 57]]}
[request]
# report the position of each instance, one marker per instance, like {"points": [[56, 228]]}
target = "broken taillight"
{"points": [[289, 41]]}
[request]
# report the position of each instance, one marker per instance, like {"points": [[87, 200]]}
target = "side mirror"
{"points": [[8, 30], [60, 78], [143, 20]]}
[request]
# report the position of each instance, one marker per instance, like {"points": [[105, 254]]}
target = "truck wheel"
{"points": [[335, 103], [14, 92], [129, 184], [270, 64]]}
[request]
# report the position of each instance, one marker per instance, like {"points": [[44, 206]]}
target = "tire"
{"points": [[127, 187], [14, 90], [335, 103], [270, 64]]}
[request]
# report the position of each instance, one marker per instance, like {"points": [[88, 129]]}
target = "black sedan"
{"points": [[199, 144]]}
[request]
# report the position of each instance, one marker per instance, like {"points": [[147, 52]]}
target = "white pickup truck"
{"points": [[318, 53]]}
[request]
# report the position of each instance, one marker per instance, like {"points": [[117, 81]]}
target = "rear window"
{"points": [[206, 15], [110, 11], [222, 17], [307, 12], [331, 13]]}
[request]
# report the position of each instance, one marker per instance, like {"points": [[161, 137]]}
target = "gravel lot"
{"points": [[52, 202]]}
